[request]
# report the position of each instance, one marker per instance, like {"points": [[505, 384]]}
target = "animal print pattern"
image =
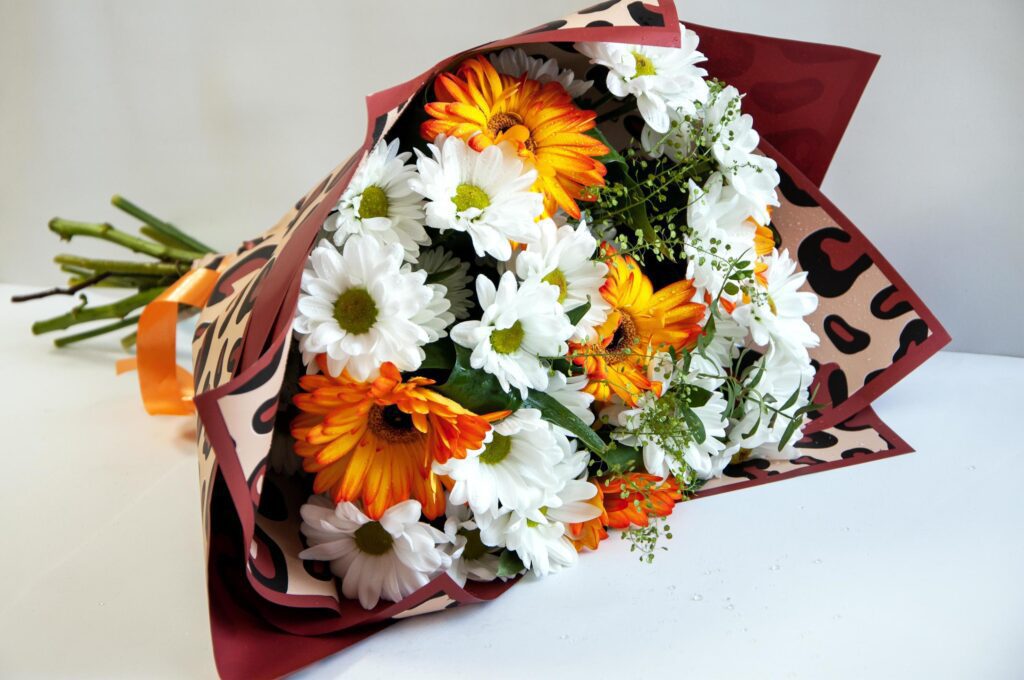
{"points": [[873, 328]]}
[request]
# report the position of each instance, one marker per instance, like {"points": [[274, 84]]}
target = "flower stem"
{"points": [[116, 310], [123, 266], [67, 229], [138, 282], [78, 337], [166, 228]]}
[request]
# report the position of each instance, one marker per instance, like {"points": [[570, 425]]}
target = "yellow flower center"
{"points": [[500, 122], [373, 203], [557, 279], [475, 548], [355, 311], [470, 196], [497, 450], [507, 340], [373, 539], [644, 66], [392, 424]]}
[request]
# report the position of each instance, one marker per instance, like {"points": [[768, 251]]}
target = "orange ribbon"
{"points": [[166, 387]]}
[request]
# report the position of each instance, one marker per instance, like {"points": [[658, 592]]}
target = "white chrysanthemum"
{"points": [[453, 274], [678, 142], [775, 314], [386, 559], [665, 452], [379, 202], [783, 376], [720, 236], [541, 546], [520, 324], [362, 307], [562, 257], [513, 61], [471, 558], [661, 78], [569, 392], [733, 141], [514, 469], [542, 541], [487, 194]]}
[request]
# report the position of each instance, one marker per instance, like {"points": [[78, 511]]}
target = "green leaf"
{"points": [[697, 396], [788, 433], [476, 390], [440, 354], [577, 313], [622, 458], [694, 425], [556, 414], [509, 565], [731, 288]]}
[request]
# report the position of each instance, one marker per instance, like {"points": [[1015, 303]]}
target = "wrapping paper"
{"points": [[270, 612]]}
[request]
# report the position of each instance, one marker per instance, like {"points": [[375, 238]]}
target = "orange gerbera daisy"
{"points": [[540, 120], [376, 441], [645, 495], [642, 322]]}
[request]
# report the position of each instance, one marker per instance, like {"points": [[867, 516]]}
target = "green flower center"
{"points": [[556, 278], [644, 66], [470, 196], [373, 539], [507, 340], [497, 450], [374, 203], [475, 548], [355, 311]]}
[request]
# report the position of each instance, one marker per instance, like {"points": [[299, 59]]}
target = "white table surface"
{"points": [[908, 567]]}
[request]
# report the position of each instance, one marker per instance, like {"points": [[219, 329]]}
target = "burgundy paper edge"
{"points": [[915, 356], [866, 64], [868, 417]]}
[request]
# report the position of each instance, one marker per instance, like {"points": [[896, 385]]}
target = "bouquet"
{"points": [[563, 287]]}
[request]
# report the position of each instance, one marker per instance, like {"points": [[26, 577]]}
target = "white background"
{"points": [[902, 568], [218, 115]]}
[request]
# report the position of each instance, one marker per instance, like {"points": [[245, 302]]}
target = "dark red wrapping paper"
{"points": [[271, 614]]}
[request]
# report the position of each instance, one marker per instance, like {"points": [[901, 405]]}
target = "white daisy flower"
{"points": [[453, 274], [661, 78], [471, 558], [513, 61], [387, 559], [561, 257], [733, 141], [542, 546], [782, 376], [542, 540], [720, 236], [514, 469], [678, 142], [362, 307], [487, 194], [775, 314], [569, 392], [665, 452], [520, 324], [379, 202]]}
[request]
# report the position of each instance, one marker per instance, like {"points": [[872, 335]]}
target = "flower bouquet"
{"points": [[564, 285]]}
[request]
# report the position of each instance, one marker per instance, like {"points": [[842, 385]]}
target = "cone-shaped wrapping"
{"points": [[271, 613]]}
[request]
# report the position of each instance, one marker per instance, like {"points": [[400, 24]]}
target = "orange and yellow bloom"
{"points": [[540, 121], [656, 497], [376, 441], [642, 323]]}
